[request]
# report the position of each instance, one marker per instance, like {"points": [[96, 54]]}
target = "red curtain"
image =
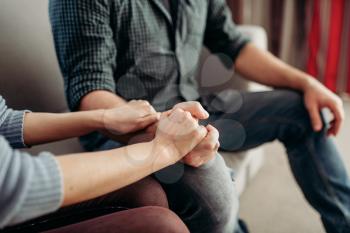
{"points": [[330, 67], [314, 40]]}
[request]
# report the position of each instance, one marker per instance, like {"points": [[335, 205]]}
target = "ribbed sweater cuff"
{"points": [[15, 129], [45, 190]]}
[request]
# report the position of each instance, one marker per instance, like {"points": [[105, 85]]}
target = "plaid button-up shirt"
{"points": [[133, 48]]}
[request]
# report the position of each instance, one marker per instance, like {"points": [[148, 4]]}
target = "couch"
{"points": [[30, 76]]}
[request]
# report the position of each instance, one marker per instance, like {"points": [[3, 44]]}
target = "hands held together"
{"points": [[201, 143], [177, 130]]}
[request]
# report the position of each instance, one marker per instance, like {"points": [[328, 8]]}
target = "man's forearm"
{"points": [[103, 100], [100, 100], [107, 100], [260, 66]]}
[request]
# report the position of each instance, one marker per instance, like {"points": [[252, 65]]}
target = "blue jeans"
{"points": [[314, 159]]}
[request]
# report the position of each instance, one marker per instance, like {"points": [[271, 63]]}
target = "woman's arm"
{"points": [[89, 175], [129, 117], [48, 127], [29, 186], [34, 186], [23, 128], [11, 125]]}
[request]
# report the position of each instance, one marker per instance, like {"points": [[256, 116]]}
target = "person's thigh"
{"points": [[258, 117], [146, 220], [204, 197], [146, 192]]}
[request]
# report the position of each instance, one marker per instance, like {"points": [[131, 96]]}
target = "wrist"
{"points": [[305, 82], [166, 153], [97, 119], [297, 79]]}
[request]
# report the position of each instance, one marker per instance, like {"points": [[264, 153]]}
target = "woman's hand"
{"points": [[206, 150], [179, 133], [130, 117]]}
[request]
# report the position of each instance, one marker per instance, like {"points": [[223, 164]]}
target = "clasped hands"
{"points": [[177, 128]]}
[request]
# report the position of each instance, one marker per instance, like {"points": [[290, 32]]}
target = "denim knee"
{"points": [[293, 117]]}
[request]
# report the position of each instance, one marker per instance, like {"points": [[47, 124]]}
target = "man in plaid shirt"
{"points": [[112, 51]]}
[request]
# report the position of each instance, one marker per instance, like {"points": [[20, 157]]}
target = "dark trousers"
{"points": [[148, 213], [144, 219]]}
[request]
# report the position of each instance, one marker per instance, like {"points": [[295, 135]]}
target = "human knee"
{"points": [[289, 102], [292, 115], [164, 220], [146, 192], [219, 204], [225, 215], [152, 194]]}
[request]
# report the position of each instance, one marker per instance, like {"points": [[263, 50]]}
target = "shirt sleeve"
{"points": [[84, 45], [11, 125], [29, 186], [221, 34]]}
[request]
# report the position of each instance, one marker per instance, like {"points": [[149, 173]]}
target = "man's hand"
{"points": [[204, 151], [208, 147], [130, 117], [193, 107], [179, 133], [260, 66], [316, 97]]}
